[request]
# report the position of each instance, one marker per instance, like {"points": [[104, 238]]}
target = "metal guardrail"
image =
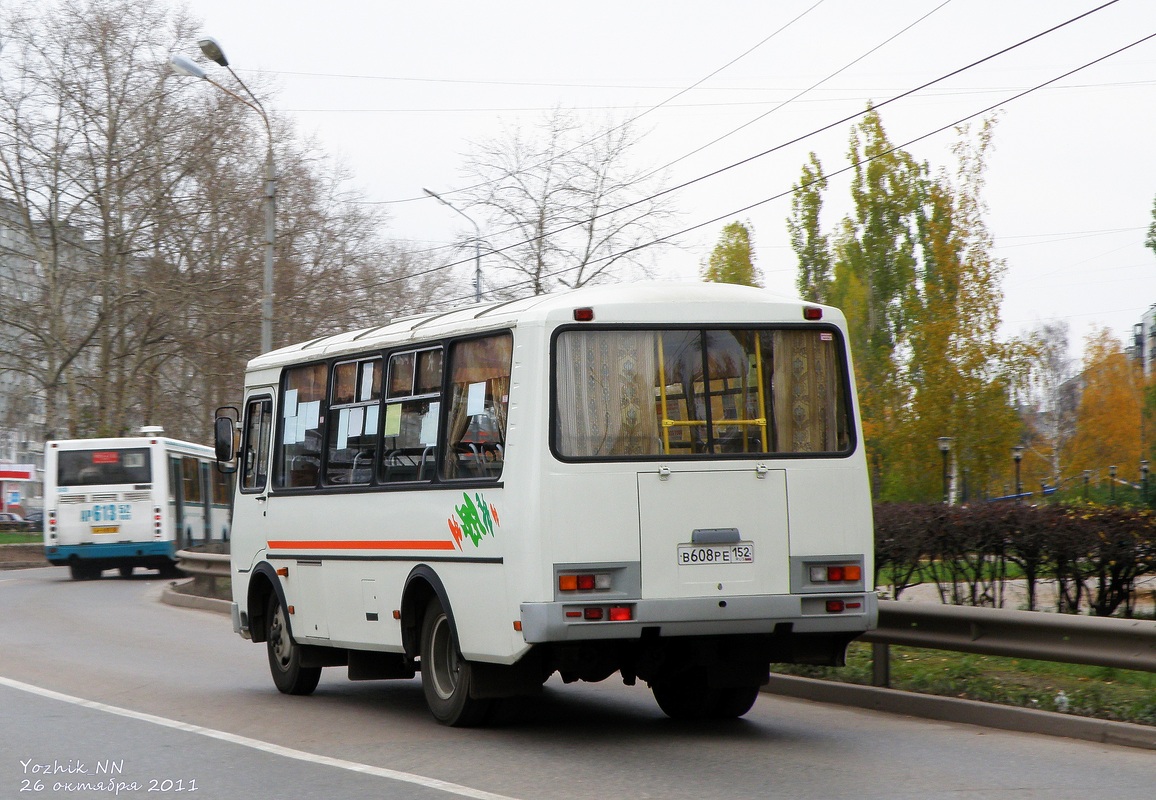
{"points": [[196, 562], [1097, 641], [211, 573]]}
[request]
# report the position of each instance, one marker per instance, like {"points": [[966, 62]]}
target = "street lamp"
{"points": [[945, 448], [1112, 482], [186, 66], [477, 243], [1018, 455]]}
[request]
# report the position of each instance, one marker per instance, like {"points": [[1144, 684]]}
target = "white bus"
{"points": [[121, 503], [661, 480]]}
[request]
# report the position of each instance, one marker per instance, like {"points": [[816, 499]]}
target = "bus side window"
{"points": [[479, 396], [300, 434], [255, 447], [353, 422], [412, 413]]}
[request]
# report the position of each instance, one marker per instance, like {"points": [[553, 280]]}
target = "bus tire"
{"points": [[82, 571], [688, 699], [285, 654], [445, 675]]}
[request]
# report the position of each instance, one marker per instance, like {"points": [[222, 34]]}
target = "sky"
{"points": [[398, 92]]}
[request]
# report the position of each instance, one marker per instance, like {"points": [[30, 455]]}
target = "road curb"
{"points": [[173, 596], [969, 712]]}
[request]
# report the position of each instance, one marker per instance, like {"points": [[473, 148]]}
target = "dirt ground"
{"points": [[22, 556]]}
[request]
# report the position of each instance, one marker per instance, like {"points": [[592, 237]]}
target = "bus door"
{"points": [[206, 500], [176, 502], [194, 509], [250, 503]]}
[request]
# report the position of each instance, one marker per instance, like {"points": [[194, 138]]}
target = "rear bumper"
{"points": [[701, 616], [119, 552]]}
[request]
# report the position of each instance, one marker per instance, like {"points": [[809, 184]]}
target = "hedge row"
{"points": [[1093, 554]]}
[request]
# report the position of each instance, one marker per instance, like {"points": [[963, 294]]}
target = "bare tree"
{"points": [[1053, 395], [84, 117], [136, 196], [563, 205]]}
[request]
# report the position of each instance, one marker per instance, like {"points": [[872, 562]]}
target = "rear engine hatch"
{"points": [[713, 533]]}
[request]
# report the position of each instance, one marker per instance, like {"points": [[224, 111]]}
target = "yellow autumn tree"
{"points": [[1108, 417]]}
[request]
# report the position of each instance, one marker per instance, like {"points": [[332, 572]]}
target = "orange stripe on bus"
{"points": [[400, 544]]}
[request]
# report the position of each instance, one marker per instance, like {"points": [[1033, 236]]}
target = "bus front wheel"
{"points": [[285, 654], [445, 675]]}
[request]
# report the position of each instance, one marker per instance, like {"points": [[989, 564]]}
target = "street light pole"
{"points": [[212, 51], [1112, 482], [945, 448], [1018, 455], [1087, 478], [1144, 479], [477, 243]]}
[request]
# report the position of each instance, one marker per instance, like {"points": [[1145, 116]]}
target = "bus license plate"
{"points": [[99, 529], [740, 553]]}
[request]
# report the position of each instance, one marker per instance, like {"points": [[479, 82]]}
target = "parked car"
{"points": [[11, 521], [34, 520]]}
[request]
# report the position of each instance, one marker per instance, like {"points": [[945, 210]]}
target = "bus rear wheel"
{"points": [[82, 571], [693, 699], [445, 675], [285, 654]]}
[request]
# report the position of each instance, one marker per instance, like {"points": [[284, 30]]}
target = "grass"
{"points": [[1099, 692], [9, 537]]}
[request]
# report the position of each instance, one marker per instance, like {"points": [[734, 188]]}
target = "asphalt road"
{"points": [[101, 682]]}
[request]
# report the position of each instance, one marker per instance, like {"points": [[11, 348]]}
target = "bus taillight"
{"points": [[584, 582], [836, 573]]}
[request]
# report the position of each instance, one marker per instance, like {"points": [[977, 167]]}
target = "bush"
{"points": [[1095, 554]]}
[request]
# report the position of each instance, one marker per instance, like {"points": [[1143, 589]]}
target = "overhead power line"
{"points": [[813, 133], [780, 195], [639, 116]]}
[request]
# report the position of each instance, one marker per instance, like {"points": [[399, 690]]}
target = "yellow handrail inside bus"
{"points": [[668, 423]]}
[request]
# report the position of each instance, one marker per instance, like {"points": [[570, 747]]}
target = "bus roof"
{"points": [[123, 443], [644, 302]]}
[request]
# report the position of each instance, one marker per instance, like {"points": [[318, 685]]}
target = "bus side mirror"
{"points": [[225, 438]]}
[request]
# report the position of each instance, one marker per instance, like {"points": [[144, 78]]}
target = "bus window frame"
{"points": [[270, 432], [391, 398], [335, 409], [841, 354], [436, 480]]}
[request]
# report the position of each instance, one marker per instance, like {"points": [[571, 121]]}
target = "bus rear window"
{"points": [[695, 392], [103, 467]]}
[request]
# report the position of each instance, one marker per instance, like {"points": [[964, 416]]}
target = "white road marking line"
{"points": [[257, 744]]}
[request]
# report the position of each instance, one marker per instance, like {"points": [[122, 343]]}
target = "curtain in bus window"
{"points": [[606, 393], [479, 398], [806, 392]]}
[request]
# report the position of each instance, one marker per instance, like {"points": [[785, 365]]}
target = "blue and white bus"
{"points": [[130, 502]]}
